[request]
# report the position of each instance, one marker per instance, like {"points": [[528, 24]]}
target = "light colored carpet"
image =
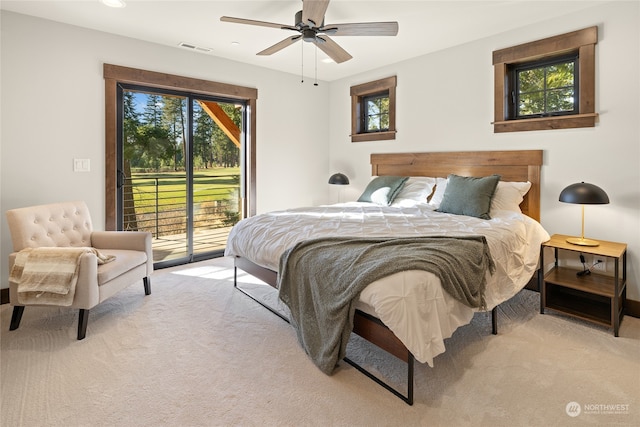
{"points": [[197, 352]]}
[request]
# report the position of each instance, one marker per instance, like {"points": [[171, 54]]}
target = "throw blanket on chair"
{"points": [[48, 275], [321, 279]]}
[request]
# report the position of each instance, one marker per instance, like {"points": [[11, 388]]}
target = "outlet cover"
{"points": [[600, 266]]}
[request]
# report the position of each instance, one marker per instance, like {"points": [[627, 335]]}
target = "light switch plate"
{"points": [[81, 165]]}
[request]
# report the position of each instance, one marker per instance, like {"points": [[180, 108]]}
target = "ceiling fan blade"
{"points": [[313, 11], [258, 23], [280, 45], [332, 49], [362, 29]]}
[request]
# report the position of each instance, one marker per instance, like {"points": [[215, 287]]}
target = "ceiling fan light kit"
{"points": [[309, 23]]}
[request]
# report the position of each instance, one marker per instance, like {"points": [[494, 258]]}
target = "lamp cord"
{"points": [[585, 271]]}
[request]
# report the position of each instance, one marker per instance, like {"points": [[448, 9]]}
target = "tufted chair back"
{"points": [[59, 225]]}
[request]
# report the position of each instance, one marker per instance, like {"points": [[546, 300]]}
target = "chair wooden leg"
{"points": [[83, 319], [16, 317], [494, 321], [147, 285]]}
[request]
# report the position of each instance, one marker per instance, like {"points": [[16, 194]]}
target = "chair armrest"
{"points": [[128, 240], [87, 294]]}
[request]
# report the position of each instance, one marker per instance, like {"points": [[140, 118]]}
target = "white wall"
{"points": [[445, 103], [53, 111]]}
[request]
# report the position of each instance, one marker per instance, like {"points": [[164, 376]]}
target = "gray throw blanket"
{"points": [[321, 279]]}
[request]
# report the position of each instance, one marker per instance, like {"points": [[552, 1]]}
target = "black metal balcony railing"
{"points": [[158, 204]]}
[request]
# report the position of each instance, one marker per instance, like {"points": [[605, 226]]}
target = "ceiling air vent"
{"points": [[191, 46]]}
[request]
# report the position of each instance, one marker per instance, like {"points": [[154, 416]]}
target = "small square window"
{"points": [[545, 88], [546, 84], [373, 110], [376, 113]]}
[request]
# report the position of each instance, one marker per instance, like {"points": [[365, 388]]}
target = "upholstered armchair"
{"points": [[68, 225]]}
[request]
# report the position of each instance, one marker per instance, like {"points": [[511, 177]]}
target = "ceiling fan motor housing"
{"points": [[309, 35]]}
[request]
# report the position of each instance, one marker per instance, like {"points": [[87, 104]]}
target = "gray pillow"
{"points": [[383, 189], [469, 196]]}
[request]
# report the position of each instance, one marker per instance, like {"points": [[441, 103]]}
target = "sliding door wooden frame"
{"points": [[114, 74]]}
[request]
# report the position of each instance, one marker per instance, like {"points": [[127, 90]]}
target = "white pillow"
{"points": [[508, 196], [436, 199], [415, 191]]}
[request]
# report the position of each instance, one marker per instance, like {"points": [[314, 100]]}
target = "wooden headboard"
{"points": [[517, 165]]}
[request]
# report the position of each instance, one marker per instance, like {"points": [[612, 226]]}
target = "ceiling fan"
{"points": [[309, 22]]}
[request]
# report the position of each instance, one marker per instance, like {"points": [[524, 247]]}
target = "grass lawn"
{"points": [[169, 191]]}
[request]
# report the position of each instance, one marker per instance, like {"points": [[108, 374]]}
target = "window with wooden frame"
{"points": [[546, 84], [373, 110]]}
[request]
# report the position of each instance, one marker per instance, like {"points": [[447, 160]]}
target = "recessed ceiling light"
{"points": [[235, 43], [328, 60], [114, 3]]}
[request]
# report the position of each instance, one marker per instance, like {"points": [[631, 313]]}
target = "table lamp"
{"points": [[583, 193], [339, 179]]}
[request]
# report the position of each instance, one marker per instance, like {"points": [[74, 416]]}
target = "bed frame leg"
{"points": [[494, 321], [247, 293], [410, 362], [408, 399]]}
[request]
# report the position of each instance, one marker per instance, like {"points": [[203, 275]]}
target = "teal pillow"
{"points": [[469, 196], [382, 190]]}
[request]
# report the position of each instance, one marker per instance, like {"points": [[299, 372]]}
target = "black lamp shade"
{"points": [[583, 193], [339, 179]]}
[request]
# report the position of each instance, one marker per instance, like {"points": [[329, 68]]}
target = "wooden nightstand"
{"points": [[593, 297]]}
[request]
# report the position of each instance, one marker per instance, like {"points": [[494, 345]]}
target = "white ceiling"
{"points": [[425, 26]]}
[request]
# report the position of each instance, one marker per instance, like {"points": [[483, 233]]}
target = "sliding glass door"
{"points": [[180, 170]]}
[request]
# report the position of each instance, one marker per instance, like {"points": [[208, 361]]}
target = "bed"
{"points": [[391, 312]]}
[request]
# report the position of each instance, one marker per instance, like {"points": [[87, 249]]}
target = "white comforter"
{"points": [[412, 304]]}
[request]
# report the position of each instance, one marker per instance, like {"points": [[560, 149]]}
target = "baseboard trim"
{"points": [[633, 308], [4, 296], [533, 283]]}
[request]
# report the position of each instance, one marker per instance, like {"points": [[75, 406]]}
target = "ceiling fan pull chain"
{"points": [[302, 63], [316, 64]]}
